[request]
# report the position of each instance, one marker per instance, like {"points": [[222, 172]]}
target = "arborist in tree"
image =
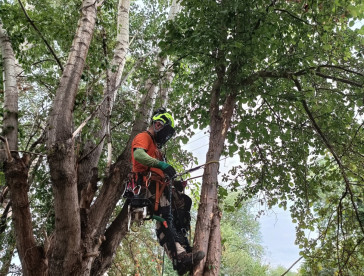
{"points": [[155, 177]]}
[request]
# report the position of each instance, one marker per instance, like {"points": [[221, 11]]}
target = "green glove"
{"points": [[167, 169]]}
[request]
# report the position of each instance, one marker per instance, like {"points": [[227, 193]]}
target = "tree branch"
{"points": [[300, 258], [3, 194], [7, 149], [292, 15], [41, 36], [340, 68], [290, 74], [4, 217], [353, 83]]}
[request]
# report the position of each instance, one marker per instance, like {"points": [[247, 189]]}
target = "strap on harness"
{"points": [[137, 180], [158, 192]]}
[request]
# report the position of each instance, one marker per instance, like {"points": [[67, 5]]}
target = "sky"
{"points": [[276, 227]]}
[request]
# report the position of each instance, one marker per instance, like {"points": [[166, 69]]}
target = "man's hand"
{"points": [[180, 185], [167, 169]]}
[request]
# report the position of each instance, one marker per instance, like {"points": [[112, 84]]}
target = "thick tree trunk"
{"points": [[31, 255], [66, 253], [207, 233]]}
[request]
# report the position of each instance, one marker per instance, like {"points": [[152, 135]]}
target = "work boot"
{"points": [[187, 261]]}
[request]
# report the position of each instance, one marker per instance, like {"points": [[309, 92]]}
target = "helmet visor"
{"points": [[163, 135]]}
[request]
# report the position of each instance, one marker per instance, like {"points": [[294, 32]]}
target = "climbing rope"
{"points": [[197, 168]]}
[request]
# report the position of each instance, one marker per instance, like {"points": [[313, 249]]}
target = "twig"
{"points": [[3, 194], [78, 130], [294, 16], [41, 36], [100, 3], [340, 68]]}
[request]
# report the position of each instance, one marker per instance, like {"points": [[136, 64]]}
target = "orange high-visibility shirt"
{"points": [[145, 141]]}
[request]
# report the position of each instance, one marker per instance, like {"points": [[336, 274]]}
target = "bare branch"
{"points": [[290, 74], [4, 217], [29, 152], [300, 258], [7, 149], [3, 194], [83, 124]]}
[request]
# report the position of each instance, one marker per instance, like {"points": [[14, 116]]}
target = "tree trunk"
{"points": [[213, 258], [66, 253], [16, 170], [165, 66], [10, 122], [31, 255], [207, 233], [111, 192]]}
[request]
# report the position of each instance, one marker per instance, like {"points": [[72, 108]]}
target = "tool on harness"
{"points": [[160, 219], [140, 207]]}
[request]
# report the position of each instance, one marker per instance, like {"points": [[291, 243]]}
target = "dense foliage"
{"points": [[298, 120]]}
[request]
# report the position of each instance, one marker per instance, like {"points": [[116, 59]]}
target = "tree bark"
{"points": [[113, 235], [66, 253], [212, 266], [165, 66], [10, 121], [31, 255], [207, 237]]}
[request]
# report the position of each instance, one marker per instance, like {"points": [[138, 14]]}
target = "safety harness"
{"points": [[136, 194]]}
